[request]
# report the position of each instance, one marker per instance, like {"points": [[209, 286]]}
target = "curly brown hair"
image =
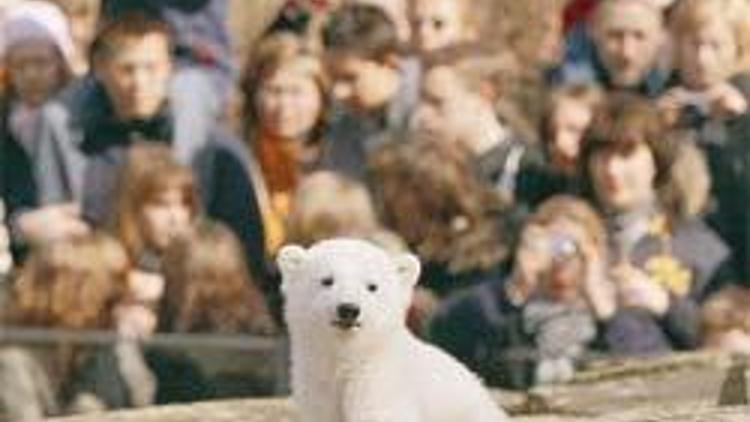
{"points": [[429, 195], [208, 286], [73, 284]]}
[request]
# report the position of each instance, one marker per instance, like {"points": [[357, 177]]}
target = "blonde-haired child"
{"points": [[710, 44], [438, 24]]}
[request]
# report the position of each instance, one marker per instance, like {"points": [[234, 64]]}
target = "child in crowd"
{"points": [[438, 24], [534, 323], [665, 260], [285, 88], [726, 321], [156, 201], [459, 104], [83, 17], [566, 118], [711, 101], [708, 38], [374, 96], [208, 286], [450, 109], [37, 52], [74, 284]]}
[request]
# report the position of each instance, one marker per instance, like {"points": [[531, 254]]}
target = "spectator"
{"points": [[533, 323], [375, 101], [156, 204], [83, 16], [453, 109], [204, 74], [705, 90], [439, 24], [65, 285], [200, 37], [629, 36], [726, 322], [665, 259], [449, 110], [567, 116], [84, 134], [37, 52], [285, 88], [711, 101], [208, 287], [428, 195], [156, 201]]}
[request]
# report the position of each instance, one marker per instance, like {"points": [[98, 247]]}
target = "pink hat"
{"points": [[33, 20]]}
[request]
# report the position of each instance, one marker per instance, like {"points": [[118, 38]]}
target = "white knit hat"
{"points": [[36, 19]]}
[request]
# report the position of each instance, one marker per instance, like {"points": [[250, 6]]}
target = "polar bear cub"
{"points": [[353, 359]]}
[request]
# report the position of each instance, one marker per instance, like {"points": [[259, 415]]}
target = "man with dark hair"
{"points": [[374, 95], [83, 135]]}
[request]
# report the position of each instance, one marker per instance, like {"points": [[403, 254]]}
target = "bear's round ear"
{"points": [[408, 269], [290, 258]]}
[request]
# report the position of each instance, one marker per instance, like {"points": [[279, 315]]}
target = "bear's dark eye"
{"points": [[327, 282], [372, 287]]}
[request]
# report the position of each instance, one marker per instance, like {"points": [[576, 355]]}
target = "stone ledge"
{"points": [[678, 388], [280, 411]]}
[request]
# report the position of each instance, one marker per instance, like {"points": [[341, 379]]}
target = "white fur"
{"points": [[377, 372]]}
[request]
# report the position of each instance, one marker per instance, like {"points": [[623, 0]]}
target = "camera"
{"points": [[561, 246]]}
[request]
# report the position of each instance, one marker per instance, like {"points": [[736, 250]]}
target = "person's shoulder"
{"points": [[695, 231], [74, 102], [223, 141], [696, 241]]}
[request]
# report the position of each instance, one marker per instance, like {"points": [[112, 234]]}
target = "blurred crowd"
{"points": [[574, 176]]}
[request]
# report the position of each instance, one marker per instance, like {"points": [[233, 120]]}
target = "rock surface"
{"points": [[681, 388]]}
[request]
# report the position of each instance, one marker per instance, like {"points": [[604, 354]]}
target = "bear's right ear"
{"points": [[290, 259]]}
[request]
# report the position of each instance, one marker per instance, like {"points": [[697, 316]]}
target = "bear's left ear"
{"points": [[290, 259], [408, 269]]}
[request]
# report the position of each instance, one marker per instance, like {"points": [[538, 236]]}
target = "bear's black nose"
{"points": [[347, 312]]}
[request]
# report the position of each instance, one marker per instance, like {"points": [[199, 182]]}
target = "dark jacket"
{"points": [[702, 266], [82, 147], [482, 328], [726, 143], [18, 187]]}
